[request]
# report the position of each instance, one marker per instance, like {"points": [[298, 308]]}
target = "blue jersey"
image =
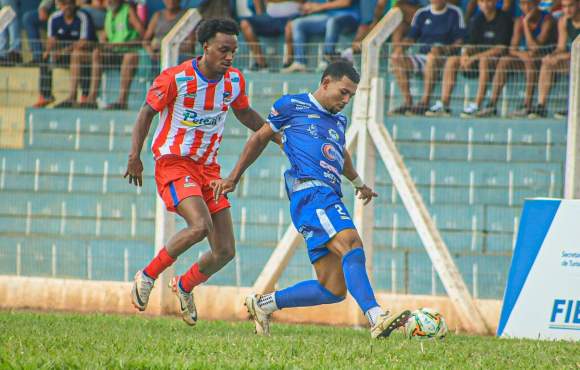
{"points": [[81, 28], [433, 28], [313, 138]]}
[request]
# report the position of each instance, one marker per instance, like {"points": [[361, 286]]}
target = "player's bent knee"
{"points": [[226, 255], [199, 230]]}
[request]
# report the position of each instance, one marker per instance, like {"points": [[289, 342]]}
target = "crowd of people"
{"points": [[484, 39]]}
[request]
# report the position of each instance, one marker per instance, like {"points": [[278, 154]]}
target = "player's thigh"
{"points": [[195, 213], [329, 274], [344, 241], [221, 238]]}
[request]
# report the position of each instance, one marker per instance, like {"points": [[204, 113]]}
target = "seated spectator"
{"points": [[97, 10], [507, 6], [161, 23], [490, 32], [371, 12], [268, 23], [70, 37], [329, 19], [123, 31], [10, 44], [34, 21], [532, 31], [437, 29], [558, 62]]}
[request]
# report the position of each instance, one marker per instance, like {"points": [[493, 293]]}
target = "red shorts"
{"points": [[178, 178]]}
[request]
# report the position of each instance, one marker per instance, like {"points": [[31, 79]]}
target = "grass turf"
{"points": [[47, 340]]}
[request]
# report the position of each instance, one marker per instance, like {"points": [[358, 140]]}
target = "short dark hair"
{"points": [[209, 28], [336, 70]]}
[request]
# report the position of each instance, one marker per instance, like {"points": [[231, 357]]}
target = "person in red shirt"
{"points": [[193, 100]]}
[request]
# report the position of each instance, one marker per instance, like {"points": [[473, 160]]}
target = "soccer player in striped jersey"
{"points": [[193, 100], [313, 133]]}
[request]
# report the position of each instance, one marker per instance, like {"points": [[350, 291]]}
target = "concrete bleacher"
{"points": [[65, 209]]}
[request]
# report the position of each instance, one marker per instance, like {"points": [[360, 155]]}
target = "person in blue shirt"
{"points": [[313, 137], [329, 18], [437, 28], [71, 34]]}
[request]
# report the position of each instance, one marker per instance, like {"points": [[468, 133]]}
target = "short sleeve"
{"points": [[241, 101], [458, 30], [87, 31], [278, 116], [415, 30], [162, 92], [51, 25]]}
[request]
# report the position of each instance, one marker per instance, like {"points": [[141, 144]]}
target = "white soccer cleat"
{"points": [[142, 286], [186, 303], [386, 324], [261, 318]]}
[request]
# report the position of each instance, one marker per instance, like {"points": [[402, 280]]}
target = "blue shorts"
{"points": [[318, 214], [265, 25]]}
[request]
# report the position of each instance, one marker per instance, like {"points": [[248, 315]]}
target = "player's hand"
{"points": [[134, 170], [222, 186], [309, 8], [365, 193]]}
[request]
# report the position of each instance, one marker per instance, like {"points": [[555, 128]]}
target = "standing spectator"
{"points": [[437, 29], [123, 31], [532, 31], [269, 22], [10, 44], [161, 23], [70, 36], [329, 19], [558, 62], [490, 32], [34, 21]]}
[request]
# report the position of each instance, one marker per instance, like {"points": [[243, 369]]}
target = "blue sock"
{"points": [[357, 280], [305, 293]]}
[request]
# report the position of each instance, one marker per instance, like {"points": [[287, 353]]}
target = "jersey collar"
{"points": [[195, 67], [317, 104]]}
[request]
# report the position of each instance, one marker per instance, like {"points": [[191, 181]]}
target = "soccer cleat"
{"points": [[386, 324], [142, 287], [261, 319], [186, 303]]}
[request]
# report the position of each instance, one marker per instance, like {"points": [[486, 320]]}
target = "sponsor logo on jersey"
{"points": [[274, 112], [329, 152], [329, 167], [191, 119], [236, 79], [190, 95], [333, 135], [314, 116], [306, 233], [188, 182], [300, 105], [184, 79], [331, 178], [227, 97]]}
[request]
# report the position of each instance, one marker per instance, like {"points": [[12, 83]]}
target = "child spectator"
{"points": [[437, 29], [489, 33]]}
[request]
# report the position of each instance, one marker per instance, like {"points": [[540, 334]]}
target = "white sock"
{"points": [[267, 302], [373, 314]]}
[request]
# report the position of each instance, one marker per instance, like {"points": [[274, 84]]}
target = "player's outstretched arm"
{"points": [[252, 120], [140, 131], [252, 150], [363, 191]]}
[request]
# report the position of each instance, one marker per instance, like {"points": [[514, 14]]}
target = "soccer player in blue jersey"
{"points": [[313, 136]]}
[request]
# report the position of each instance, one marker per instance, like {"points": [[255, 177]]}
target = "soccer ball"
{"points": [[425, 323]]}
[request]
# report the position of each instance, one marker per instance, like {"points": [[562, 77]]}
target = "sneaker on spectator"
{"points": [[402, 110], [348, 54], [418, 110], [522, 111], [539, 111], [563, 114], [43, 101], [294, 67], [469, 111], [489, 111], [438, 110]]}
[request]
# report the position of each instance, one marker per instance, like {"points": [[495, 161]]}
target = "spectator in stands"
{"points": [[329, 19], [507, 6], [371, 12], [123, 32], [267, 22], [489, 36], [161, 23], [97, 9], [10, 44], [532, 32], [34, 21], [438, 29], [558, 62], [70, 36]]}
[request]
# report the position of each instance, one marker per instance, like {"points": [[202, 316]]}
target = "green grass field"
{"points": [[58, 340]]}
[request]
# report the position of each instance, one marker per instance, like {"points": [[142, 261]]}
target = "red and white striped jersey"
{"points": [[193, 110]]}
